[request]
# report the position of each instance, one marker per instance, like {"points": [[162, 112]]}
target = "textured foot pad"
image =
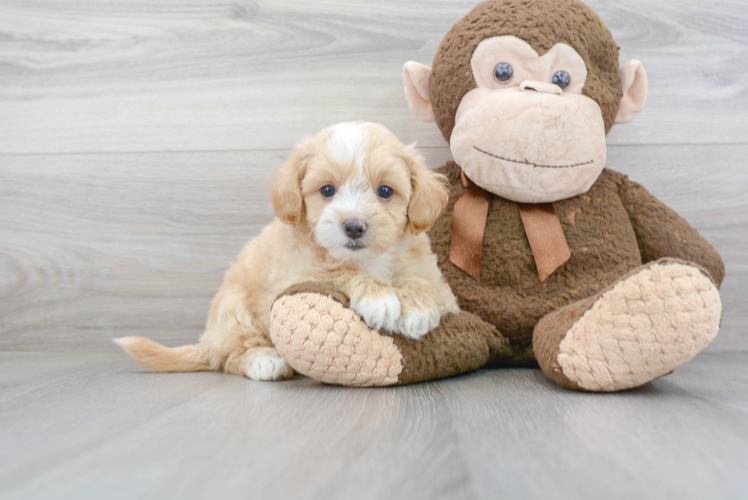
{"points": [[324, 340], [644, 327]]}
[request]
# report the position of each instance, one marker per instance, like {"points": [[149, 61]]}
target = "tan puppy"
{"points": [[352, 205]]}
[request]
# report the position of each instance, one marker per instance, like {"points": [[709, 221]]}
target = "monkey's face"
{"points": [[528, 127], [526, 133]]}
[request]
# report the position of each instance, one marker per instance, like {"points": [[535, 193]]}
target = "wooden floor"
{"points": [[91, 426], [137, 141]]}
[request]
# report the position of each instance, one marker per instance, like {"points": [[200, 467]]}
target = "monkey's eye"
{"points": [[327, 191], [385, 192], [503, 73], [561, 78]]}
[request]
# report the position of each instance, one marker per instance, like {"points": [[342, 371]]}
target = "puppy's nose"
{"points": [[354, 228]]}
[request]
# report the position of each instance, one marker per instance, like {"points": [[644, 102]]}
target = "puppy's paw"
{"points": [[420, 311], [264, 367], [416, 323], [380, 312]]}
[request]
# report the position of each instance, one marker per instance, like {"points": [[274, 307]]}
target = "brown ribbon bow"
{"points": [[543, 229]]}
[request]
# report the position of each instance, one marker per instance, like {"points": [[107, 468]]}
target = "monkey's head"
{"points": [[525, 92]]}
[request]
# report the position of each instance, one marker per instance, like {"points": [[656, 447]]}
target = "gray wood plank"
{"points": [[668, 439], [88, 76], [95, 246], [93, 425]]}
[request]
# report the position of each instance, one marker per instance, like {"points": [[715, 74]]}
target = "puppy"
{"points": [[352, 206]]}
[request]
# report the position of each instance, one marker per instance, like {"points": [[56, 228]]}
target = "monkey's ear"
{"points": [[634, 80], [285, 192], [430, 193], [417, 77]]}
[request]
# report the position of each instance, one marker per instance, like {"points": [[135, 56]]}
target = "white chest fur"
{"points": [[389, 264]]}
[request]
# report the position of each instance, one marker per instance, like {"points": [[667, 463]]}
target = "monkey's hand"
{"points": [[662, 233]]}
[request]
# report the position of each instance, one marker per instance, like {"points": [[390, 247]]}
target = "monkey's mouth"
{"points": [[534, 165]]}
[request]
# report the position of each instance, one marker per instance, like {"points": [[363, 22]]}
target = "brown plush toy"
{"points": [[553, 258]]}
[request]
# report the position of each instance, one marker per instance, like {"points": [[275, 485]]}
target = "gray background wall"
{"points": [[137, 140]]}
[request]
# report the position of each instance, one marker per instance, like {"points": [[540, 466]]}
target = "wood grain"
{"points": [[96, 246], [92, 425], [192, 75]]}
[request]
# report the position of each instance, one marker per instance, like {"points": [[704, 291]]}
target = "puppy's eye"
{"points": [[385, 192], [503, 73], [561, 78], [327, 191]]}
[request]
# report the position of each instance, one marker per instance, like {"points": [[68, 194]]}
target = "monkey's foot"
{"points": [[641, 328], [320, 337]]}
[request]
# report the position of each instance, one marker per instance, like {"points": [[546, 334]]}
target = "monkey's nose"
{"points": [[354, 228], [542, 87]]}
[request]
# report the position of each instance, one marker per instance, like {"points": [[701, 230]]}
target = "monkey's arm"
{"points": [[661, 232]]}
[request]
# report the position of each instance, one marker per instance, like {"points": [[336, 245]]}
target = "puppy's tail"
{"points": [[158, 358]]}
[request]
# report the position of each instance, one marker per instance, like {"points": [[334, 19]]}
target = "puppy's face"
{"points": [[358, 190]]}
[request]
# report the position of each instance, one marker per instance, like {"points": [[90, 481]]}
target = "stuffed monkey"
{"points": [[555, 260]]}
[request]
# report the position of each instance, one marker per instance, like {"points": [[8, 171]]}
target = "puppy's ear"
{"points": [[285, 192], [430, 193]]}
